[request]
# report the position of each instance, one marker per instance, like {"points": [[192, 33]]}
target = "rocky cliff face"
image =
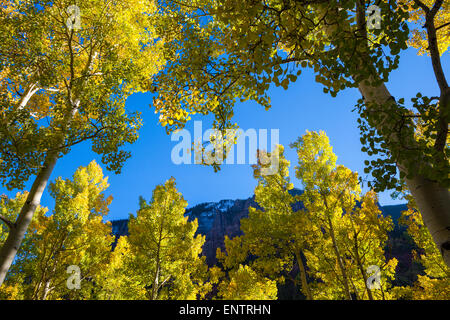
{"points": [[219, 219]]}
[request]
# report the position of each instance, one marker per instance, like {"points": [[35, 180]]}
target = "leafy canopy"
{"points": [[63, 84]]}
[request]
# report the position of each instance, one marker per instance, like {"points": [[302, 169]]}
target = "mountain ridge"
{"points": [[222, 218]]}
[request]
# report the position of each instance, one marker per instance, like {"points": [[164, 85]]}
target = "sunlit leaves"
{"points": [[165, 252], [245, 284], [62, 86], [74, 234], [348, 231], [435, 283], [419, 38]]}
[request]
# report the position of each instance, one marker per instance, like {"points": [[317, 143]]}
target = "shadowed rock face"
{"points": [[120, 227], [219, 219], [224, 223]]}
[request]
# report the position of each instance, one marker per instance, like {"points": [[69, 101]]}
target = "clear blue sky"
{"points": [[302, 107]]}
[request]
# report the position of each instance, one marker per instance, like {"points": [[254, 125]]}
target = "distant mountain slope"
{"points": [[218, 219], [394, 211]]}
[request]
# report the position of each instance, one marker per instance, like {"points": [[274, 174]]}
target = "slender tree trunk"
{"points": [[46, 290], [304, 280], [339, 259], [155, 285], [36, 290], [433, 201], [26, 96], [18, 230], [359, 261], [364, 275], [355, 291]]}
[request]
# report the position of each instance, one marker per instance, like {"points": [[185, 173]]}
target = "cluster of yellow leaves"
{"points": [[160, 259], [245, 284], [115, 282], [164, 248], [332, 241], [10, 292], [73, 235], [419, 38], [435, 283], [350, 238]]}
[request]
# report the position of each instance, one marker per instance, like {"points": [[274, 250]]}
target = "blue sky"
{"points": [[302, 107]]}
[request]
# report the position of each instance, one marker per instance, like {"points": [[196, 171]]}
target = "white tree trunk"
{"points": [[26, 96], [432, 200], [18, 230]]}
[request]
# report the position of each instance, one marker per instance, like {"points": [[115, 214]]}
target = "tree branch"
{"points": [[442, 26], [7, 222], [444, 102], [437, 5], [422, 5]]}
